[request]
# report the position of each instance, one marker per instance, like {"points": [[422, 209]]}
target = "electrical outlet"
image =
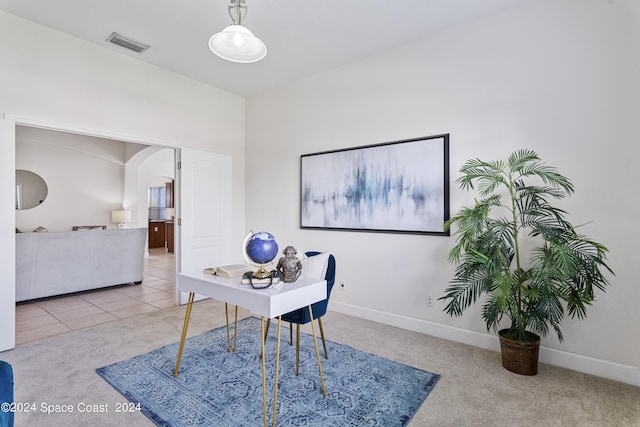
{"points": [[430, 301], [342, 285]]}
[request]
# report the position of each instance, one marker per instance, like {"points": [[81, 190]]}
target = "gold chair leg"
{"points": [[324, 344], [290, 333], [297, 347], [315, 341], [266, 332], [226, 314], [187, 316], [235, 332]]}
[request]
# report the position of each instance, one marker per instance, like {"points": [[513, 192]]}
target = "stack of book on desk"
{"points": [[273, 281]]}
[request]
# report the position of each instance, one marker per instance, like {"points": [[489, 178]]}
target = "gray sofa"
{"points": [[57, 263]]}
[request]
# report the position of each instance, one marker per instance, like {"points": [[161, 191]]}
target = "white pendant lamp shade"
{"points": [[237, 44]]}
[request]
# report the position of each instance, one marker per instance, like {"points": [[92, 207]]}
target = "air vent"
{"points": [[128, 43]]}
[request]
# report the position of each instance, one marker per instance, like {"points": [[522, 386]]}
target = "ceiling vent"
{"points": [[127, 42]]}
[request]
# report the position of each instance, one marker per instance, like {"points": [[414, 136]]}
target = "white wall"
{"points": [[62, 82], [557, 76], [84, 178]]}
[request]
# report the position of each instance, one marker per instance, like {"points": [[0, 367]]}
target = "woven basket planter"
{"points": [[520, 357]]}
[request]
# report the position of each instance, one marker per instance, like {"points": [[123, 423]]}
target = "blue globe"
{"points": [[261, 247]]}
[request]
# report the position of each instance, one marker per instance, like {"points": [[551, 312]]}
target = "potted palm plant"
{"points": [[520, 251]]}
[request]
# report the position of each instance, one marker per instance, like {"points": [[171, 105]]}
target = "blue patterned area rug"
{"points": [[216, 388]]}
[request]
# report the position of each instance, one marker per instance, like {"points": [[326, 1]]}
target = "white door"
{"points": [[204, 191], [7, 235]]}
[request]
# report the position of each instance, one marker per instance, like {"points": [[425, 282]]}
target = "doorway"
{"points": [[127, 194], [202, 199], [161, 213]]}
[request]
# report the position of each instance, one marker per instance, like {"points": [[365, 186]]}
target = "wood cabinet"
{"points": [[169, 235], [156, 234]]}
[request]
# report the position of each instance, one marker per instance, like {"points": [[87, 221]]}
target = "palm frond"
{"points": [[468, 284], [520, 158], [526, 163], [492, 314], [487, 175]]}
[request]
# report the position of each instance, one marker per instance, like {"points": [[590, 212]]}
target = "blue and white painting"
{"points": [[396, 187]]}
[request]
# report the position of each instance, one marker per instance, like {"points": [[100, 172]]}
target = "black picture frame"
{"points": [[392, 187]]}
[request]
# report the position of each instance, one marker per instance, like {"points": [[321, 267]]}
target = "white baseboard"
{"points": [[589, 365]]}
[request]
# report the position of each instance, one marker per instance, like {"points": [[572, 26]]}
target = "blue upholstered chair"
{"points": [[6, 393], [302, 316]]}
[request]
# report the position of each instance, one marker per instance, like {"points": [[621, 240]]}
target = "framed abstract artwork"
{"points": [[394, 187]]}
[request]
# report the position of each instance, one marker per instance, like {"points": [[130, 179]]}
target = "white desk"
{"points": [[268, 303]]}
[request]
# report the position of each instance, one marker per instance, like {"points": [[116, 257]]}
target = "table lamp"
{"points": [[121, 217]]}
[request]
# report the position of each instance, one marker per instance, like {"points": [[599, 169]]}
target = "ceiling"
{"points": [[303, 37]]}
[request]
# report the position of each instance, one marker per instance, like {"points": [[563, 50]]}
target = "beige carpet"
{"points": [[474, 389]]}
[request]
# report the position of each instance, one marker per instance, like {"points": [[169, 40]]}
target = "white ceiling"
{"points": [[303, 37]]}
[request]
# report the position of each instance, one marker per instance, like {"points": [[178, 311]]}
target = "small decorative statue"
{"points": [[289, 266]]}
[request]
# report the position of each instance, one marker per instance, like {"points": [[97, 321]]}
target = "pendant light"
{"points": [[237, 43]]}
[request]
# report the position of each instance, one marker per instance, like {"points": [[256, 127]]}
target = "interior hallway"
{"points": [[58, 315]]}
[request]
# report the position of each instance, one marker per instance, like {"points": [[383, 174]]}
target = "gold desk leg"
{"points": [[275, 390], [226, 314], [290, 333], [266, 332], [324, 344], [264, 374], [315, 341], [235, 331], [187, 315]]}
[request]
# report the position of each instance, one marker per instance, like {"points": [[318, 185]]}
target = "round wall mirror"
{"points": [[31, 190]]}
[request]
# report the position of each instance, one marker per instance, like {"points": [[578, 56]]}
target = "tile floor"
{"points": [[54, 316]]}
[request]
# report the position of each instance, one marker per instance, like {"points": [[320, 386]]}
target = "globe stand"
{"points": [[261, 273], [269, 250]]}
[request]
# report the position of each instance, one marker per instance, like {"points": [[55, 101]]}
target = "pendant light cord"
{"points": [[241, 10]]}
